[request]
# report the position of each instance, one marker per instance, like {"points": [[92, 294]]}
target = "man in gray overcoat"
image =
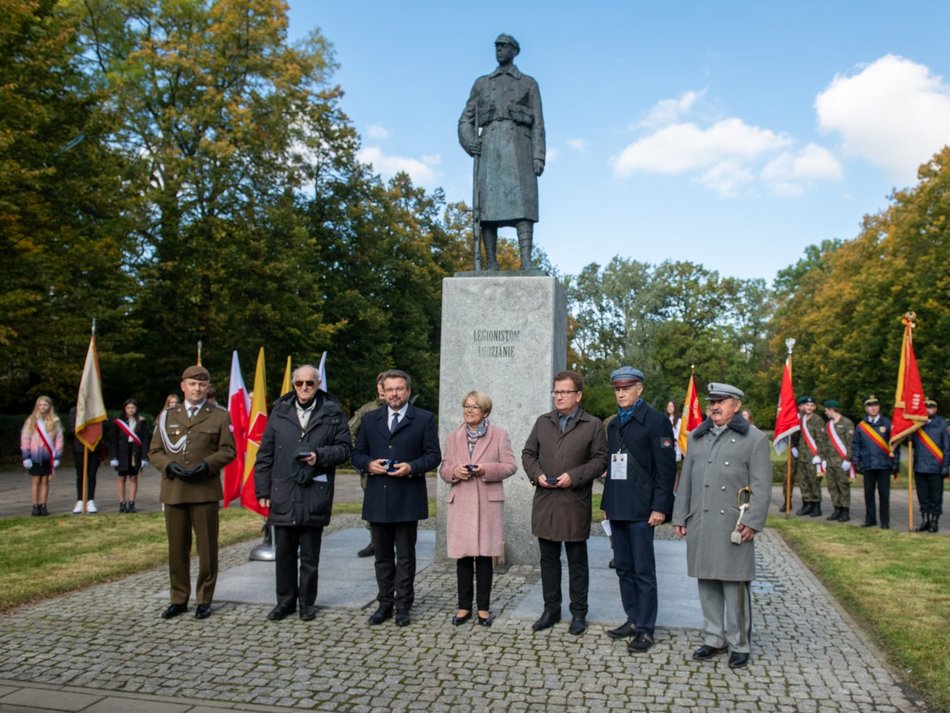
{"points": [[566, 450], [509, 153], [726, 456]]}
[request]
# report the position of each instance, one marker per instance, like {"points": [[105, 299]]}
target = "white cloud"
{"points": [[667, 111], [378, 132], [893, 113], [551, 154], [726, 177], [577, 144], [788, 171], [686, 147], [420, 171]]}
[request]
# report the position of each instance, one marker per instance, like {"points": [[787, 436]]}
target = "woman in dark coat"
{"points": [[130, 441], [305, 439]]}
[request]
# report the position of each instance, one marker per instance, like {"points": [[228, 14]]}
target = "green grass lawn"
{"points": [[896, 585]]}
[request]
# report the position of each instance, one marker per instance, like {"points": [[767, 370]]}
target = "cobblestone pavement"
{"points": [[807, 656]]}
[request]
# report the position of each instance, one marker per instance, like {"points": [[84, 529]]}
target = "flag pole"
{"points": [[910, 484], [199, 352], [789, 344]]}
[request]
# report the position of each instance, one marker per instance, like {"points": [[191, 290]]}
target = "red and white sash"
{"points": [[46, 441], [124, 427], [810, 441], [835, 439]]}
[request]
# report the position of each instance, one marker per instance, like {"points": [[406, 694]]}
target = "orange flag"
{"points": [[692, 414], [910, 411], [257, 422]]}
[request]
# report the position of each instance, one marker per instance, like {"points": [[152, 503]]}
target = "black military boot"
{"points": [[924, 525], [934, 523], [845, 515], [805, 509], [835, 514], [815, 509]]}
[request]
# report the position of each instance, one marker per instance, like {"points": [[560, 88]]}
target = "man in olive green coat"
{"points": [[726, 456], [192, 442], [566, 451]]}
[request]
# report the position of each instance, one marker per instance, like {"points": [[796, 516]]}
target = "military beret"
{"points": [[871, 400], [718, 392], [625, 375], [831, 403], [930, 402], [198, 373], [506, 39], [806, 400]]}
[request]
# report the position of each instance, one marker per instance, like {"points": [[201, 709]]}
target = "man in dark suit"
{"points": [[191, 444], [396, 445], [638, 496]]}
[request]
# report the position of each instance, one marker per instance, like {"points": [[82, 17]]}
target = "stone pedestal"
{"points": [[506, 336]]}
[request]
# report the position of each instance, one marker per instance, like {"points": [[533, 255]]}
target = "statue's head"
{"points": [[506, 48]]}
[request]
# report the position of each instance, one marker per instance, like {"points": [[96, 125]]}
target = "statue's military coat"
{"points": [[506, 105], [714, 470]]}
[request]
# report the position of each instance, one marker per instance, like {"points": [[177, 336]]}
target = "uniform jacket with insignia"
{"points": [[924, 460], [867, 455], [845, 430], [208, 438]]}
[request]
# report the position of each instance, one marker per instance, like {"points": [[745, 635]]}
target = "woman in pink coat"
{"points": [[476, 458]]}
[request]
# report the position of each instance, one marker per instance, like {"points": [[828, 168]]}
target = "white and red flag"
{"points": [[239, 405]]}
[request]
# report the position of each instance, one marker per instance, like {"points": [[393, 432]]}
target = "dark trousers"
{"points": [[477, 570], [930, 492], [91, 470], [577, 571], [180, 520], [395, 563], [287, 540], [636, 569], [881, 480]]}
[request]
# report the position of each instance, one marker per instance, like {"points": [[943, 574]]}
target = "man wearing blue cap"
{"points": [[726, 465], [638, 496]]}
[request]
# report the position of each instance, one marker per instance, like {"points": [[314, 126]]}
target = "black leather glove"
{"points": [[304, 476], [174, 470], [200, 470]]}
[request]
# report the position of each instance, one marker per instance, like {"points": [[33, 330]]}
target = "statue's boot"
{"points": [[490, 238], [525, 238]]}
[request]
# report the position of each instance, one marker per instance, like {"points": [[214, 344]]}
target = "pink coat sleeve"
{"points": [[450, 457], [505, 465]]}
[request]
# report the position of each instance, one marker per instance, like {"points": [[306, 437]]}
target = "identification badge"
{"points": [[618, 466]]}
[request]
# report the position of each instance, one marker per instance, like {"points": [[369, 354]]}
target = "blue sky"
{"points": [[732, 134]]}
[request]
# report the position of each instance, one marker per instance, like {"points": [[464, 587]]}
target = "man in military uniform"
{"points": [[509, 152], [192, 442], [931, 462], [354, 426], [871, 457], [835, 446], [809, 464], [727, 459]]}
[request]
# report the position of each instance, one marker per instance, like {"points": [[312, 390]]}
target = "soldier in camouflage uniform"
{"points": [[354, 426], [835, 447], [809, 458]]}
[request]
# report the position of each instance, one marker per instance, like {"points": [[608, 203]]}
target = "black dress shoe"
{"points": [[546, 621], [738, 660], [402, 617], [380, 615], [868, 524], [459, 620], [622, 632], [308, 613], [202, 611], [578, 626], [885, 526], [484, 620], [367, 551], [612, 564], [783, 508], [173, 610], [705, 652], [279, 612], [641, 642]]}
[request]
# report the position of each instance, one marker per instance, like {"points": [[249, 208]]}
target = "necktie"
{"points": [[192, 410], [392, 426]]}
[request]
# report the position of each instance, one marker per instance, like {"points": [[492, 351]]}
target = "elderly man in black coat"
{"points": [[305, 439], [638, 496], [396, 445]]}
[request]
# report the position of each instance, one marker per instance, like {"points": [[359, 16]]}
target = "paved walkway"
{"points": [[105, 649]]}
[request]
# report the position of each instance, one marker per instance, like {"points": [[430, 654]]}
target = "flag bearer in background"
{"points": [[872, 458], [931, 461], [809, 464]]}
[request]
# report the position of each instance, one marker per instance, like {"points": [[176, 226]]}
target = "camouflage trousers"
{"points": [[838, 486], [808, 481]]}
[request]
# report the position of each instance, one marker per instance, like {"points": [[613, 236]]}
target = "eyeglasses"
{"points": [[310, 383], [471, 407], [562, 394]]}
